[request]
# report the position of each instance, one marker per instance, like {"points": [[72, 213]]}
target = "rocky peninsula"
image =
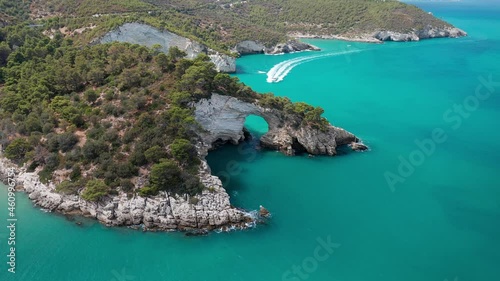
{"points": [[221, 119], [120, 132]]}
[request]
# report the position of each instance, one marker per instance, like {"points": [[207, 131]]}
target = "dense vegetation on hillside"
{"points": [[89, 7], [220, 24], [106, 117], [103, 115], [97, 119], [13, 11], [268, 19]]}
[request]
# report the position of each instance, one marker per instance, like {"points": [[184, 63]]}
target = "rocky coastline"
{"points": [[143, 34], [222, 119], [205, 212], [146, 35], [381, 36], [249, 47], [210, 210]]}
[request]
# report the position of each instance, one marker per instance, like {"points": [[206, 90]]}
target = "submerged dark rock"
{"points": [[196, 233], [357, 146], [263, 212]]}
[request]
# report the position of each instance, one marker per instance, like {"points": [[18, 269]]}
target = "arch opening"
{"points": [[255, 126], [228, 160]]}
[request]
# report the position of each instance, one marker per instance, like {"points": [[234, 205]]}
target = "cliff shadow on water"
{"points": [[228, 160], [244, 168]]}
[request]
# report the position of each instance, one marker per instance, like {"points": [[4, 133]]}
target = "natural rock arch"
{"points": [[223, 118]]}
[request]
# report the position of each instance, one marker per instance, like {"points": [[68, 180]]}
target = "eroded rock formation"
{"points": [[290, 47], [253, 47], [146, 35], [249, 47], [209, 210], [381, 36], [223, 117], [425, 33]]}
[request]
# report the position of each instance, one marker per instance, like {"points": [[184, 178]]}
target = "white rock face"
{"points": [[163, 212], [291, 47], [146, 35], [425, 33], [396, 36], [223, 118], [224, 63], [432, 32], [249, 47]]}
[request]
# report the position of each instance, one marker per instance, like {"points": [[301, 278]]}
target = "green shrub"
{"points": [[47, 128], [45, 175], [17, 149], [148, 191], [154, 154], [95, 133], [66, 141], [93, 149], [95, 190], [52, 161], [76, 173], [52, 142], [91, 96], [31, 168], [194, 200], [183, 151], [126, 170], [109, 95], [127, 185], [33, 123], [68, 187], [137, 158], [180, 98], [191, 184], [166, 176]]}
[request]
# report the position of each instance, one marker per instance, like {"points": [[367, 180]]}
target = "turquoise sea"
{"points": [[438, 220]]}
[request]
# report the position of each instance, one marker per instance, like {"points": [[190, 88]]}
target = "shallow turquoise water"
{"points": [[441, 223]]}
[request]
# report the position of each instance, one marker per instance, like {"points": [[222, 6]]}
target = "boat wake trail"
{"points": [[281, 70]]}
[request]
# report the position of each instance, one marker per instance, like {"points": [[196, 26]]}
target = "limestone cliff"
{"points": [[209, 210], [253, 47], [249, 47], [380, 36], [416, 35], [143, 34], [291, 47], [223, 117]]}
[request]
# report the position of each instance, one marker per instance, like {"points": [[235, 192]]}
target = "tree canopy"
{"points": [[110, 113]]}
